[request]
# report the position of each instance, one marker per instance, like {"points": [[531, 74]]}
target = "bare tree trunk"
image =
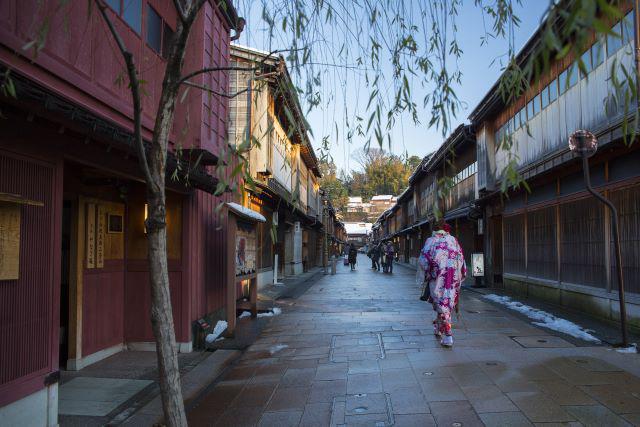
{"points": [[153, 164], [162, 314]]}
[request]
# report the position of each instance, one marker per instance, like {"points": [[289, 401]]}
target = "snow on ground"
{"points": [[632, 349], [244, 314], [274, 312], [544, 319], [276, 348], [217, 330]]}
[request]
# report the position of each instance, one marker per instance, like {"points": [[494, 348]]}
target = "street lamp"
{"points": [[585, 145]]}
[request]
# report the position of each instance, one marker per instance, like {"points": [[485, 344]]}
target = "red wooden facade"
{"points": [[58, 156]]}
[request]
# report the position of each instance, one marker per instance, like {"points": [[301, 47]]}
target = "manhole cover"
{"points": [[542, 340], [370, 409], [456, 424], [491, 364]]}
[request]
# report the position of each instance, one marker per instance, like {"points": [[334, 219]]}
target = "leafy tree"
{"points": [[413, 162], [335, 188]]}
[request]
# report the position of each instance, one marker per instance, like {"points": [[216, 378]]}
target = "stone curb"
{"points": [[193, 383]]}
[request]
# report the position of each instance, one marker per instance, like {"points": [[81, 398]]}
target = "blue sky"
{"points": [[480, 66]]}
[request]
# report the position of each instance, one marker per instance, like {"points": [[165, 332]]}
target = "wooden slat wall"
{"points": [[627, 202], [29, 305]]}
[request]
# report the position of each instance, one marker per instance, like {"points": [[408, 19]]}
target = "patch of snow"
{"points": [[219, 339], [632, 349], [274, 312], [544, 319], [217, 331], [246, 212], [244, 314], [276, 348]]}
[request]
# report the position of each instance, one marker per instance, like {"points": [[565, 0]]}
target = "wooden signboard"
{"points": [[10, 211], [241, 261], [100, 230], [9, 241], [91, 235]]}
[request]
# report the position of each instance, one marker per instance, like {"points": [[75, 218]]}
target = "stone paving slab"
{"points": [[96, 397], [357, 348]]}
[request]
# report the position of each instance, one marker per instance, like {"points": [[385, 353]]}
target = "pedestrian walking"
{"points": [[444, 269], [374, 253], [353, 256], [390, 252]]}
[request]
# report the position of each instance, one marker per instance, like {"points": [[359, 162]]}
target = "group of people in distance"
{"points": [[382, 255]]}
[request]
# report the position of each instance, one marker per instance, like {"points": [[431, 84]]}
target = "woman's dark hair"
{"points": [[442, 225]]}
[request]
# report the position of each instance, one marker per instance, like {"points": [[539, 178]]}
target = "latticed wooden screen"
{"points": [[582, 243], [514, 254], [542, 253]]}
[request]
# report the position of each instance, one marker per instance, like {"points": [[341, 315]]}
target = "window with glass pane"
{"points": [[522, 118], [536, 104], [115, 5], [154, 29], [586, 60], [597, 54], [530, 110], [614, 42], [562, 82], [553, 91], [167, 39], [573, 75], [544, 97], [627, 28], [132, 14]]}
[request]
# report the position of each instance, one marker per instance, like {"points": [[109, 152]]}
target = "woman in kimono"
{"points": [[444, 269]]}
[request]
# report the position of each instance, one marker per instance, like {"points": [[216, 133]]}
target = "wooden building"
{"points": [[555, 241], [442, 186], [282, 165], [72, 198]]}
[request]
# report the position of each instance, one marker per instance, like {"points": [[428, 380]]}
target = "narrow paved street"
{"points": [[357, 349]]}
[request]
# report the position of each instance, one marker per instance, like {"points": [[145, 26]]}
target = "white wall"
{"points": [[36, 410]]}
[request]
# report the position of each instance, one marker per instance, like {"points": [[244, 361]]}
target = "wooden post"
{"points": [[231, 297], [253, 296]]}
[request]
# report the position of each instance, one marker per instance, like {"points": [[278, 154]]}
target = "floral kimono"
{"points": [[444, 267]]}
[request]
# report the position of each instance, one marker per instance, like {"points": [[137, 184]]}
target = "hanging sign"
{"points": [[477, 264]]}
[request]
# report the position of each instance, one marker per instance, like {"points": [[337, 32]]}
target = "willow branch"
{"points": [[135, 92]]}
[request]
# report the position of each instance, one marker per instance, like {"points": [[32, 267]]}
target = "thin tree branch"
{"points": [[214, 92], [212, 69], [257, 68], [135, 92], [179, 10]]}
